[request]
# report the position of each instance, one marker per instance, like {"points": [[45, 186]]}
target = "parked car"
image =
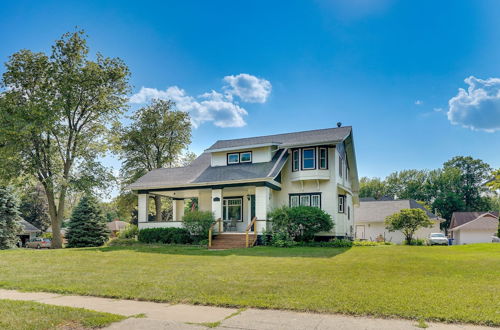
{"points": [[495, 239], [437, 239], [38, 243]]}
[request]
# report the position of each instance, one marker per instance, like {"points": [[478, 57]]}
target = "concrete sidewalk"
{"points": [[180, 316]]}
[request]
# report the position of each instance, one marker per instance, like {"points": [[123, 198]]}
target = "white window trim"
{"points": [[296, 151], [245, 161], [341, 204], [326, 158], [313, 158], [229, 156]]}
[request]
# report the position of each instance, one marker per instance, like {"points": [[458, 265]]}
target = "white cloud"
{"points": [[478, 107], [221, 109], [248, 88], [419, 102]]}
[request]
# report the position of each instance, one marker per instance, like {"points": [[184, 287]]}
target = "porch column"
{"points": [[217, 203], [177, 209], [143, 207], [262, 205]]}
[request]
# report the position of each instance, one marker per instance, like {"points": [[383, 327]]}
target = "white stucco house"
{"points": [[473, 227], [242, 179], [369, 218]]}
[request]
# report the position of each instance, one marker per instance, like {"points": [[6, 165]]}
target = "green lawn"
{"points": [[24, 315], [454, 284]]}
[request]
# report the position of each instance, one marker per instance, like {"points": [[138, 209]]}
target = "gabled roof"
{"points": [[318, 136], [378, 210], [28, 227], [199, 172], [459, 219]]}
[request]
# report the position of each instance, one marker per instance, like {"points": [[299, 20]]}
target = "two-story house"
{"points": [[242, 179]]}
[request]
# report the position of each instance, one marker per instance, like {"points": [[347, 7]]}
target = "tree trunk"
{"points": [[54, 220], [158, 207]]}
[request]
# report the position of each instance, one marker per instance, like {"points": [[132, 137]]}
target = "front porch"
{"points": [[235, 206]]}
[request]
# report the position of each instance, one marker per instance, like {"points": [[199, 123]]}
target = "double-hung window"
{"points": [[341, 203], [323, 158], [309, 159], [296, 160], [307, 199]]}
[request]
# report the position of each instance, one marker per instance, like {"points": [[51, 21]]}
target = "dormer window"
{"points": [[239, 157], [245, 157], [233, 158]]}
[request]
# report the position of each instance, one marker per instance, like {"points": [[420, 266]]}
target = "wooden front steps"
{"points": [[231, 241]]}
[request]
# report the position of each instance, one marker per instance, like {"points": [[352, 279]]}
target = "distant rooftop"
{"points": [[377, 210]]}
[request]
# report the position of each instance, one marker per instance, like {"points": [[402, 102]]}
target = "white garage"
{"points": [[473, 227]]}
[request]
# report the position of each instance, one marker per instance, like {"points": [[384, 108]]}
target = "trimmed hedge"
{"points": [[164, 236]]}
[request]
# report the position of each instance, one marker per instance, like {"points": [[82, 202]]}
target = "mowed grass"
{"points": [[27, 315], [452, 284]]}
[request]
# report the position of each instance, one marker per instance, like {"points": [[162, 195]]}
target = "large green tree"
{"points": [[494, 184], [10, 226], [87, 225], [372, 187], [473, 174], [56, 110], [155, 138], [407, 184]]}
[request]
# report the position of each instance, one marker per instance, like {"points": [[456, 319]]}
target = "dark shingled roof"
{"points": [[200, 172], [327, 135], [28, 227], [460, 218]]}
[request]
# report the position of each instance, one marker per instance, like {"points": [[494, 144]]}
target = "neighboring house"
{"points": [[29, 232], [116, 226], [473, 227], [370, 215], [241, 179]]}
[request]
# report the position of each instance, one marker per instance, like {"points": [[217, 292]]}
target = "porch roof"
{"points": [[200, 173]]}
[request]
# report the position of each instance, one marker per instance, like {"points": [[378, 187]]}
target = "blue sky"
{"points": [[391, 69]]}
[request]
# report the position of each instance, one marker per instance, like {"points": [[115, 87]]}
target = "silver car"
{"points": [[437, 239]]}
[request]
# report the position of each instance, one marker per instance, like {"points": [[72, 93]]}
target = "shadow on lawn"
{"points": [[260, 251]]}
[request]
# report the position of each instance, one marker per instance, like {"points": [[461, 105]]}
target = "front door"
{"points": [[232, 212], [360, 232]]}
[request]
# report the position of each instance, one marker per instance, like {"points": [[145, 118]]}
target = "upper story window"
{"points": [[296, 160], [246, 157], [239, 157], [309, 159], [323, 158]]}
